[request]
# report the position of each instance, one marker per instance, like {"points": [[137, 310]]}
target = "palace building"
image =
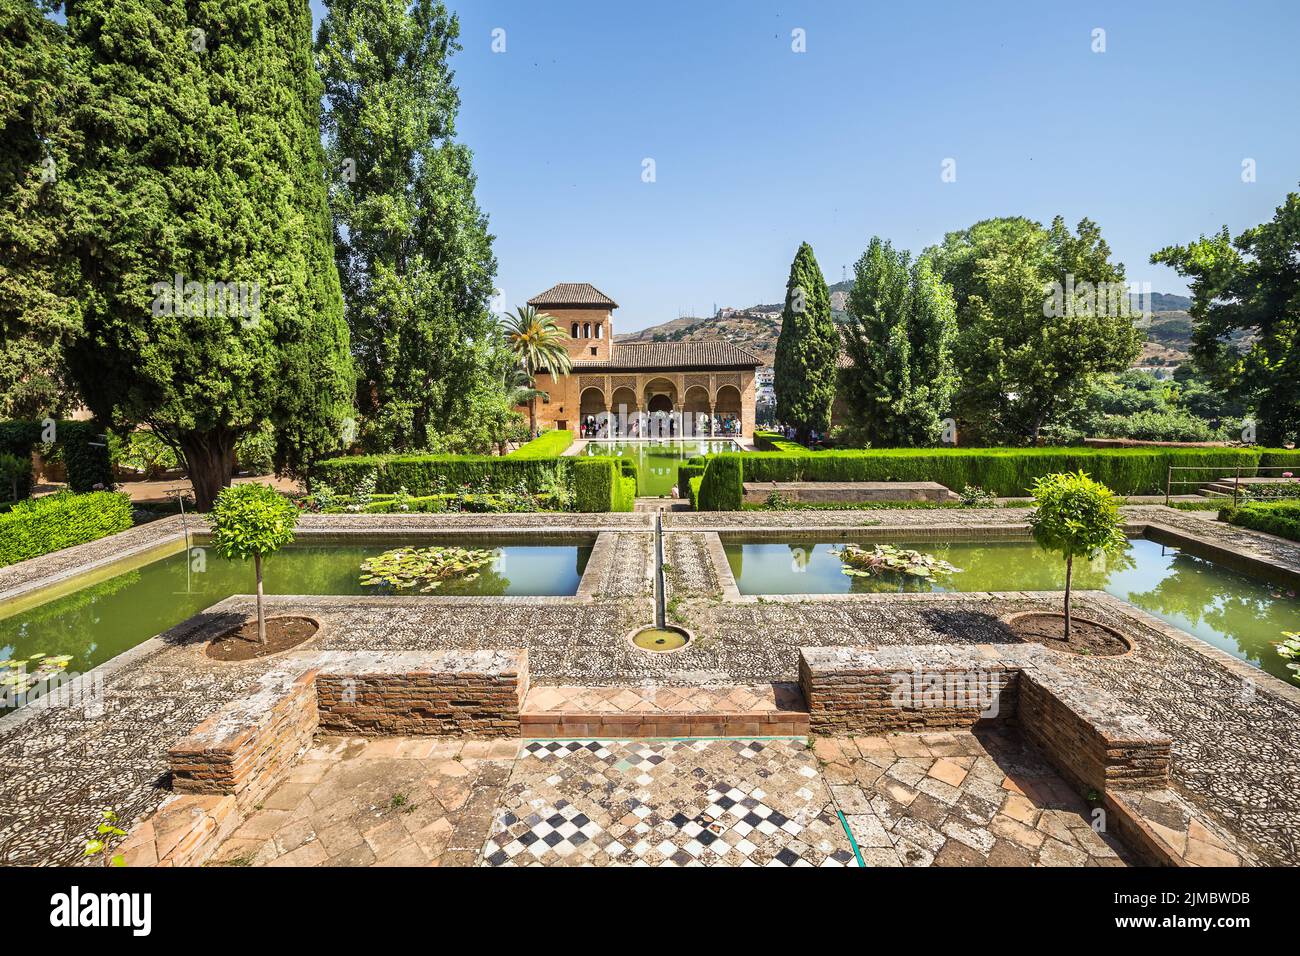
{"points": [[641, 389]]}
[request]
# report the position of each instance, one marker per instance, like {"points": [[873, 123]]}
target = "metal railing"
{"points": [[1236, 476]]}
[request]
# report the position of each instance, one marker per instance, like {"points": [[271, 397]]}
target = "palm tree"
{"points": [[539, 345]]}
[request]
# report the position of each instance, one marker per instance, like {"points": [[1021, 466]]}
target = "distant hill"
{"points": [[1169, 335]]}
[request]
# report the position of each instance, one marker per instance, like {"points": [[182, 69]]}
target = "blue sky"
{"points": [[758, 148]]}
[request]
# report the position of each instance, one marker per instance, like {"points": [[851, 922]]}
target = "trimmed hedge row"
{"points": [[550, 444], [775, 441], [436, 504], [722, 487], [1281, 518], [687, 473], [423, 475], [1006, 472], [42, 525], [600, 485]]}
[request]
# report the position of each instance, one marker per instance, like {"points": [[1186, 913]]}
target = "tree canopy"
{"points": [[411, 243], [807, 349], [1250, 284], [211, 301], [1040, 312], [902, 324]]}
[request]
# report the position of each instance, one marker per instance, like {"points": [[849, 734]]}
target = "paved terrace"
{"points": [[1236, 730]]}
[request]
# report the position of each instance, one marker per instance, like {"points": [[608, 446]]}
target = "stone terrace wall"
{"points": [[247, 746], [1078, 726], [475, 693], [858, 690]]}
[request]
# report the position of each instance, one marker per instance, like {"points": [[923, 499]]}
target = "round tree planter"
{"points": [[283, 633], [1088, 638]]}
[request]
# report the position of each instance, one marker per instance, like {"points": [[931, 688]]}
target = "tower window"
{"points": [[574, 333]]}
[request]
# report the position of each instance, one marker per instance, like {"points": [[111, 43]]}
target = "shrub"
{"points": [[15, 473], [599, 485], [973, 496], [687, 473], [550, 444], [693, 487], [1077, 518], [251, 521], [85, 455], [18, 439], [44, 525], [775, 441], [441, 474], [1005, 472], [1281, 518], [722, 488]]}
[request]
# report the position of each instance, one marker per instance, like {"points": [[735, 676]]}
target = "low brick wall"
{"points": [[1080, 728], [247, 746], [245, 749], [1077, 725], [860, 690], [473, 693]]}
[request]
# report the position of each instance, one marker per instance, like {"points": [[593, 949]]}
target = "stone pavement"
{"points": [[950, 799], [960, 799]]}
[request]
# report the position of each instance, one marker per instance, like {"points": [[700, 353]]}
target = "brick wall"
{"points": [[246, 747], [475, 693], [1077, 725], [1084, 735], [881, 690]]}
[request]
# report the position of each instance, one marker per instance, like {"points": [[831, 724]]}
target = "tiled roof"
{"points": [[673, 355], [573, 293]]}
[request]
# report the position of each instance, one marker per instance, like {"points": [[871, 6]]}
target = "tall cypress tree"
{"points": [[902, 325], [807, 349], [412, 246], [39, 315], [212, 305]]}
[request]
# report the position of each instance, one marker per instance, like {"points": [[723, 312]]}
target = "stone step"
{"points": [[736, 710]]}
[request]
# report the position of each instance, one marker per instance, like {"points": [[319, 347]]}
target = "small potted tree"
{"points": [[251, 521], [1077, 518]]}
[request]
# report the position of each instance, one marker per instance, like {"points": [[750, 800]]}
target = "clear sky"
{"points": [[757, 147]]}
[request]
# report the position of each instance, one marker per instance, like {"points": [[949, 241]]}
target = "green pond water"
{"points": [[657, 461], [1235, 612], [102, 620]]}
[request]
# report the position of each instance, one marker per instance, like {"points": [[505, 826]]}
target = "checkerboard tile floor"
{"points": [[723, 802]]}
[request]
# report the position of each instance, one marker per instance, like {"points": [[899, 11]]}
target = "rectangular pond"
{"points": [[103, 619], [657, 461], [1235, 612]]}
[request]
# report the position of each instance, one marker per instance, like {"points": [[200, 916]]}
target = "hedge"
{"points": [[550, 444], [43, 525], [82, 443], [1281, 518], [478, 504], [775, 441], [687, 473], [423, 475], [1007, 472], [722, 487], [600, 485], [694, 488]]}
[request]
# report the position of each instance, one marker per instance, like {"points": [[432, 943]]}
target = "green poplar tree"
{"points": [[412, 245], [211, 300], [902, 324], [807, 349]]}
